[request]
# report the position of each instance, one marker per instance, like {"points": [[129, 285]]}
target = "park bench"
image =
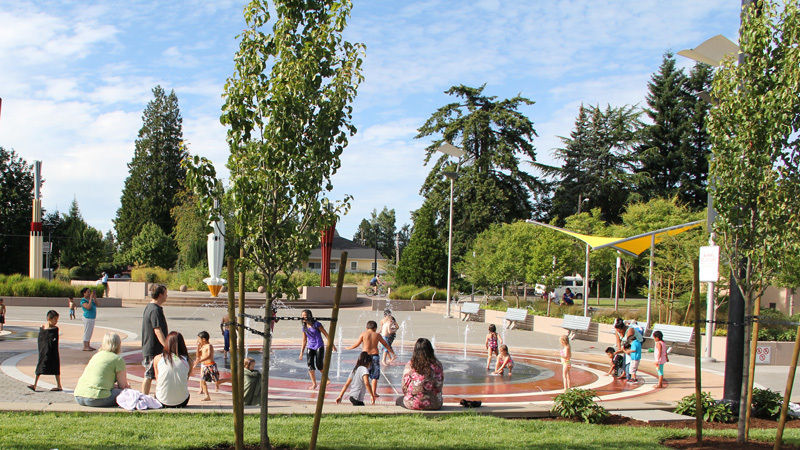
{"points": [[471, 311], [580, 327], [517, 318], [680, 338]]}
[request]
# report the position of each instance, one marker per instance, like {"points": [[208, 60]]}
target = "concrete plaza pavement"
{"points": [[191, 320]]}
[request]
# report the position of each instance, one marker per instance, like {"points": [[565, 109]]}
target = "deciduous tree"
{"points": [[16, 200], [756, 146], [288, 109]]}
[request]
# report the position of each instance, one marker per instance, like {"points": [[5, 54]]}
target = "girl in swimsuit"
{"points": [[504, 361], [566, 361], [492, 342]]}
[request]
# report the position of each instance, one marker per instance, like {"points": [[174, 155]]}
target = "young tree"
{"points": [[288, 109], [156, 175], [424, 261], [756, 164], [492, 187], [16, 200], [598, 162]]}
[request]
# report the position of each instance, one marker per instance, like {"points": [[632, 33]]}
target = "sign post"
{"points": [[709, 273]]}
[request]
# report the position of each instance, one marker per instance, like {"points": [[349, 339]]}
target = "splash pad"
{"points": [[536, 378]]}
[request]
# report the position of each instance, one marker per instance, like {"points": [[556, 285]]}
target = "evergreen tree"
{"points": [[491, 187], [424, 260], [378, 232], [694, 173], [16, 200], [156, 175], [598, 162], [664, 141], [674, 152], [81, 245]]}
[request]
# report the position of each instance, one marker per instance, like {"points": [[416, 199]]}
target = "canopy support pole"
{"points": [[650, 278], [586, 285]]}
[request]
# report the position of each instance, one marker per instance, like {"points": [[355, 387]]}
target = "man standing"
{"points": [[154, 334]]}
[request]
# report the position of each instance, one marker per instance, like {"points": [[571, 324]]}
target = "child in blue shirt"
{"points": [[635, 353]]}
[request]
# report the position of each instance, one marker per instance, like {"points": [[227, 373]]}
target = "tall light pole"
{"points": [[450, 150], [712, 52]]}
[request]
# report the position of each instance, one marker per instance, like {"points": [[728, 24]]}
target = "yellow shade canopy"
{"points": [[634, 245]]}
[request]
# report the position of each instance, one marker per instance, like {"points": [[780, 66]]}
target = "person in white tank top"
{"points": [[172, 373]]}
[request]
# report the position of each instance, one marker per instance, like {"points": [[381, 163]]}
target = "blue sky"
{"points": [[75, 77]]}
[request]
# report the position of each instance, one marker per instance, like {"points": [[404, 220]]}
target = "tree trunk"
{"points": [[265, 349]]}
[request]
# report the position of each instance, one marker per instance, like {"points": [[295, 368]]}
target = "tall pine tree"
{"points": [[598, 162], [674, 152], [491, 187], [378, 232], [424, 260], [16, 199], [156, 175]]}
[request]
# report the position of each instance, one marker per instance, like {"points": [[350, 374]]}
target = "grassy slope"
{"points": [[134, 430]]}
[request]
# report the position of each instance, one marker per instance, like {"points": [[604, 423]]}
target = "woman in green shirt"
{"points": [[96, 387]]}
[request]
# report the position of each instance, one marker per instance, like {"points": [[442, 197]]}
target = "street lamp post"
{"points": [[712, 52], [450, 150]]}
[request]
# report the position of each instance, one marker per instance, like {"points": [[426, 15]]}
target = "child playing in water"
{"points": [[49, 362], [617, 367], [566, 361], [359, 378], [493, 341], [369, 340], [504, 361], [660, 356], [209, 371]]}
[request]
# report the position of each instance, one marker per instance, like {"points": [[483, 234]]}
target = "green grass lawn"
{"points": [[470, 431]]}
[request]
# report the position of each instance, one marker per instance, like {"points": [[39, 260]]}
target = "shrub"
{"points": [[150, 274], [21, 286], [766, 404], [406, 291], [302, 278], [192, 277], [579, 404], [775, 332], [712, 411]]}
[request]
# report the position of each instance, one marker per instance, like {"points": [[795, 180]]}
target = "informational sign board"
{"points": [[763, 355], [47, 247], [709, 264]]}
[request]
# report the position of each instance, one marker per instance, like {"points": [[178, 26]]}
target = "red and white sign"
{"points": [[709, 264], [763, 355]]}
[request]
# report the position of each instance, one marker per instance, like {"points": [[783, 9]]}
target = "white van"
{"points": [[575, 284]]}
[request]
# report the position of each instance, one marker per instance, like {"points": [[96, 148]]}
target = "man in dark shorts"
{"points": [[154, 334]]}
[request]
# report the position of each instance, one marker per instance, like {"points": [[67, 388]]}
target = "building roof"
{"points": [[354, 250]]}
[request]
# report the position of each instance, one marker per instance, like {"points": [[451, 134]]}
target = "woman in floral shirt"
{"points": [[423, 379]]}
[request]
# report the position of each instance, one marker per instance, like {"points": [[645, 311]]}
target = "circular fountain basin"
{"points": [[469, 371]]}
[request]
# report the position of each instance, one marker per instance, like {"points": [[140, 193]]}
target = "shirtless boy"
{"points": [[209, 371], [369, 341]]}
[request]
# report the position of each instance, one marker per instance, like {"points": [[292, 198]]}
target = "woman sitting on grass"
{"points": [[172, 372], [106, 369], [423, 379]]}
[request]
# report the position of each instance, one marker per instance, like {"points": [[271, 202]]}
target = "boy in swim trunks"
{"points": [[369, 340], [209, 371]]}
